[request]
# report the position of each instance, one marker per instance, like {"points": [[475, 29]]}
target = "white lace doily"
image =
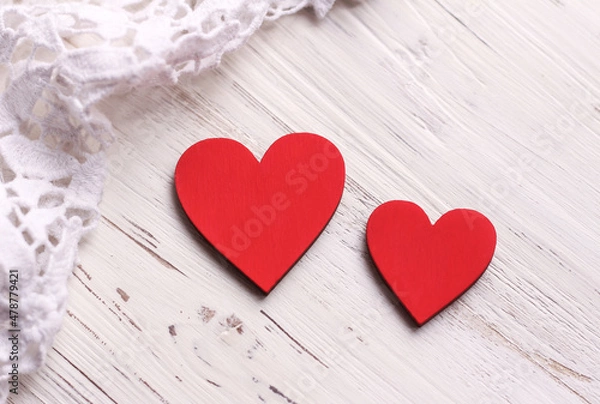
{"points": [[56, 63]]}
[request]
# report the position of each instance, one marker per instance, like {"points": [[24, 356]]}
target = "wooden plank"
{"points": [[447, 103]]}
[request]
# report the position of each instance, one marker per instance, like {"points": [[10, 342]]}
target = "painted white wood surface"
{"points": [[449, 103]]}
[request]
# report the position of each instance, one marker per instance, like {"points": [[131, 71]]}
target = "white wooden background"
{"points": [[448, 103]]}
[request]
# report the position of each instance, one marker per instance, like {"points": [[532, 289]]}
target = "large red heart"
{"points": [[429, 266], [262, 216]]}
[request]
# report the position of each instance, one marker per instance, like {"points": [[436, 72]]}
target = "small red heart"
{"points": [[429, 266], [262, 216]]}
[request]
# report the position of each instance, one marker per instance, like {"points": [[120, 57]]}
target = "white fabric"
{"points": [[56, 62]]}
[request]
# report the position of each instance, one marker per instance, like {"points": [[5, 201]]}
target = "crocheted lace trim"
{"points": [[56, 63]]}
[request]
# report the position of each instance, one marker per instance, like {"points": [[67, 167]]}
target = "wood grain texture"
{"points": [[493, 106]]}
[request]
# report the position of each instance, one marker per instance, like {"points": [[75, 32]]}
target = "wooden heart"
{"points": [[429, 266], [262, 216]]}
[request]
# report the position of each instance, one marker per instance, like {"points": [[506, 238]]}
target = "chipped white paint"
{"points": [[449, 103]]}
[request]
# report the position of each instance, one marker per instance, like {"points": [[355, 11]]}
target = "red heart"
{"points": [[262, 216], [429, 266]]}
